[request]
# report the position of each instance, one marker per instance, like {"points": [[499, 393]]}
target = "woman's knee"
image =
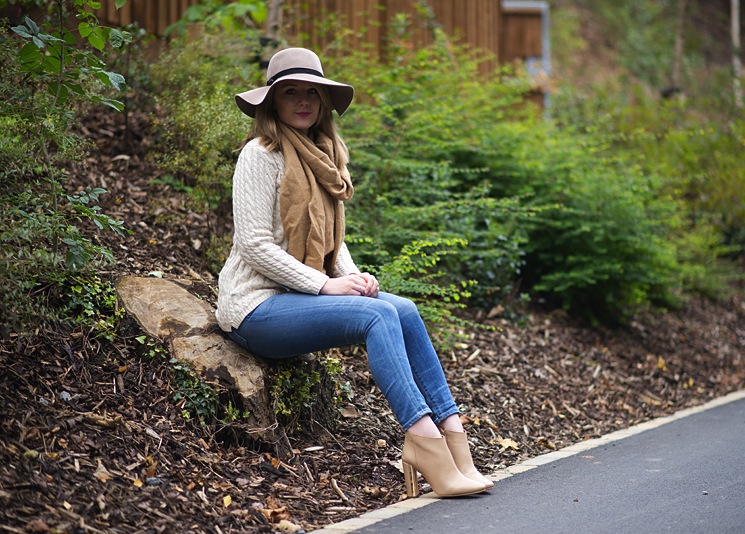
{"points": [[404, 306]]}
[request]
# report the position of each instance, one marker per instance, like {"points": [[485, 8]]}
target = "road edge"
{"points": [[402, 507]]}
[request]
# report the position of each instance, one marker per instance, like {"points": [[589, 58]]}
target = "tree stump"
{"points": [[187, 325]]}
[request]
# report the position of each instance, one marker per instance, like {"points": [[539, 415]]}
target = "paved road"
{"points": [[687, 476]]}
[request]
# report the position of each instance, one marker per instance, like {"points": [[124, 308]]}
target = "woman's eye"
{"points": [[290, 92]]}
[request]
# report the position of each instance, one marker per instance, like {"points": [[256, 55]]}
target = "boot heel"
{"points": [[431, 457], [410, 481]]}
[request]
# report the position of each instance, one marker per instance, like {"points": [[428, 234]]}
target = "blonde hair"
{"points": [[266, 127]]}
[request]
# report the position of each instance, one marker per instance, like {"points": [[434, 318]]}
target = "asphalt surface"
{"points": [[686, 476]]}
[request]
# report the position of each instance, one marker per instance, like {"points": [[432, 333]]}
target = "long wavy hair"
{"points": [[266, 126]]}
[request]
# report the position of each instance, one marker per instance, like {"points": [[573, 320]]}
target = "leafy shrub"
{"points": [[600, 245], [697, 161], [444, 152], [46, 75], [303, 391], [196, 82], [417, 155]]}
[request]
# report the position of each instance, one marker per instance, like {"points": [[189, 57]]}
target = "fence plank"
{"points": [[479, 23]]}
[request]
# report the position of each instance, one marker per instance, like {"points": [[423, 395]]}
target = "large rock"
{"points": [[168, 312]]}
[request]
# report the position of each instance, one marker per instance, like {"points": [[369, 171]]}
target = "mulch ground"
{"points": [[90, 440]]}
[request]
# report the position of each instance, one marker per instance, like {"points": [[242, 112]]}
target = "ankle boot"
{"points": [[457, 443], [431, 457]]}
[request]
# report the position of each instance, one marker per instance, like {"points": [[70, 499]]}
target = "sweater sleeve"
{"points": [[344, 263], [255, 183]]}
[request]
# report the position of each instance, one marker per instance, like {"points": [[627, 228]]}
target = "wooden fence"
{"points": [[152, 15], [508, 33], [475, 22]]}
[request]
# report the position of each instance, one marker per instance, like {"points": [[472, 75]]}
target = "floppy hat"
{"points": [[295, 64]]}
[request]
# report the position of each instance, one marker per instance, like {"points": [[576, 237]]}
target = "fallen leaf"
{"points": [[102, 473], [287, 526], [227, 501], [507, 443], [37, 525], [137, 483]]}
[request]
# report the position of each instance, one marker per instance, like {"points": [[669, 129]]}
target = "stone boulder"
{"points": [[167, 311]]}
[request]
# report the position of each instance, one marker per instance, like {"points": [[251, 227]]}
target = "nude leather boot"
{"points": [[431, 457], [460, 450]]}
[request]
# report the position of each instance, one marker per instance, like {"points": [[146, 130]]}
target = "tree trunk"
{"points": [[274, 19], [272, 38], [678, 51], [736, 64]]}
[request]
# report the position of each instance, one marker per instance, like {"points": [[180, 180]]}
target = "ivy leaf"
{"points": [[31, 25], [29, 54], [117, 80], [96, 39], [120, 3], [22, 31], [118, 38]]}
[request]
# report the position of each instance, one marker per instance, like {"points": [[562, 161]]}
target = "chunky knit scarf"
{"points": [[311, 199]]}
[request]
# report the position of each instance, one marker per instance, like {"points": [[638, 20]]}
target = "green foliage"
{"points": [[94, 303], [54, 59], [642, 32], [303, 390], [200, 123], [421, 162], [197, 398], [600, 246], [417, 274], [47, 73], [244, 16], [697, 161]]}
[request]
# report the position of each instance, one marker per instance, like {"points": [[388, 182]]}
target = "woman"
{"points": [[291, 287]]}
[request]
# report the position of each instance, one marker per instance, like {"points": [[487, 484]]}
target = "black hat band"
{"points": [[295, 70]]}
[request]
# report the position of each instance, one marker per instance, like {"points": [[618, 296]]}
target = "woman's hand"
{"points": [[364, 285], [371, 285], [353, 284]]}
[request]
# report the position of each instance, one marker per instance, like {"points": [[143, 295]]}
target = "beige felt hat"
{"points": [[295, 64]]}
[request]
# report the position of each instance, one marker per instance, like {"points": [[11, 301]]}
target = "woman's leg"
{"points": [[293, 323], [425, 365]]}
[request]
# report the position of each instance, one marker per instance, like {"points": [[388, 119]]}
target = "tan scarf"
{"points": [[311, 199]]}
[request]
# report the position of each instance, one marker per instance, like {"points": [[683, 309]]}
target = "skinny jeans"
{"points": [[401, 357]]}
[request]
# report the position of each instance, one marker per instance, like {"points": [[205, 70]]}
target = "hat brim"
{"points": [[341, 94]]}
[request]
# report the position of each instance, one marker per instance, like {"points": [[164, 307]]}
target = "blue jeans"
{"points": [[402, 359]]}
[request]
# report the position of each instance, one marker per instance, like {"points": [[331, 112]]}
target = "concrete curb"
{"points": [[401, 507]]}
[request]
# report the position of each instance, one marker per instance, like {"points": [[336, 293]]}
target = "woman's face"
{"points": [[298, 104]]}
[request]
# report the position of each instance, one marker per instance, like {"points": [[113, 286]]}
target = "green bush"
{"points": [[420, 165], [697, 159], [46, 230], [552, 209], [201, 127], [444, 151]]}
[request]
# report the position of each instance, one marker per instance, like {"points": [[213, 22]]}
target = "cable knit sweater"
{"points": [[259, 266]]}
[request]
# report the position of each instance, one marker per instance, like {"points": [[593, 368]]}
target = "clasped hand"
{"points": [[364, 285]]}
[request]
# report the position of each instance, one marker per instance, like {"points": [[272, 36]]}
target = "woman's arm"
{"points": [[255, 182]]}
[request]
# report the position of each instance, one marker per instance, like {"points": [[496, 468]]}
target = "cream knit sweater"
{"points": [[259, 266]]}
